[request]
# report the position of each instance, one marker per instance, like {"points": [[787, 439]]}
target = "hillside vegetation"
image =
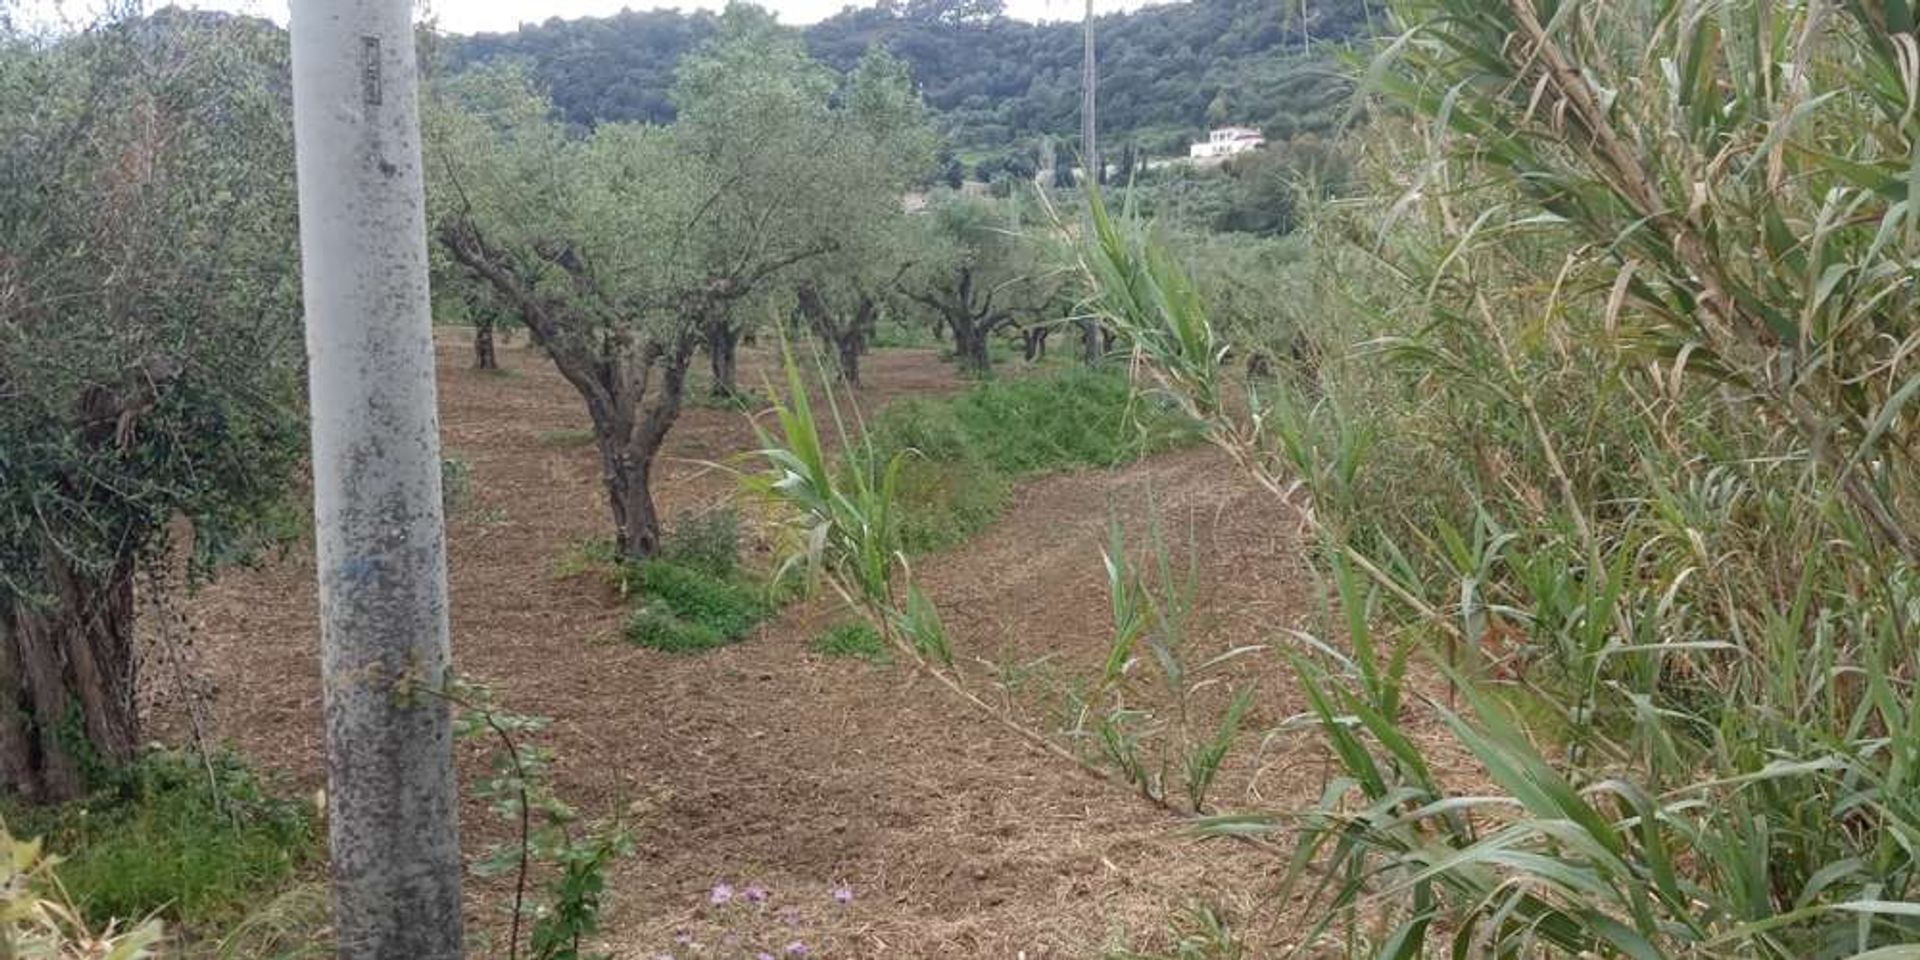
{"points": [[997, 84]]}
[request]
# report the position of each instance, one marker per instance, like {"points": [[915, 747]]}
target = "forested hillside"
{"points": [[996, 84]]}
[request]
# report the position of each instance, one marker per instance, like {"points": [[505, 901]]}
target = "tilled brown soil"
{"points": [[766, 765]]}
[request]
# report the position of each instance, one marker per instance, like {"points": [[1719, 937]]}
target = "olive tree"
{"points": [[972, 268], [756, 120], [882, 145], [148, 353], [565, 234]]}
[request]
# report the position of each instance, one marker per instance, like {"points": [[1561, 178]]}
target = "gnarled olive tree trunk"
{"points": [[969, 316], [970, 345], [1092, 347], [723, 354], [68, 667], [629, 445], [1034, 341], [67, 679], [484, 357], [848, 339]]}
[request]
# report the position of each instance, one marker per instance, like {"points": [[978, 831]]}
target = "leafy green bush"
{"points": [[1073, 419], [548, 833], [853, 640], [197, 842], [943, 502], [927, 425]]}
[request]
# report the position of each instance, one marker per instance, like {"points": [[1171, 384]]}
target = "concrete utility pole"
{"points": [[376, 480]]}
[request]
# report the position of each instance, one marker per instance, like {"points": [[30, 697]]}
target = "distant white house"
{"points": [[1226, 142]]}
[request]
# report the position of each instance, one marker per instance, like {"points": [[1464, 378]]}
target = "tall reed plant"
{"points": [[1607, 411]]}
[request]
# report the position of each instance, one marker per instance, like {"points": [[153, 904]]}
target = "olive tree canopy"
{"points": [[149, 349]]}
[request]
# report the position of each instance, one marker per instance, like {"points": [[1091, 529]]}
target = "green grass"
{"points": [[683, 609], [660, 629], [856, 641], [947, 489], [594, 555], [910, 335], [161, 837], [967, 449]]}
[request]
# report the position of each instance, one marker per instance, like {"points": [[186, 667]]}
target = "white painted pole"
{"points": [[376, 477]]}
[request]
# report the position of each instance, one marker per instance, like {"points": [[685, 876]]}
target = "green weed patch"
{"points": [[199, 843]]}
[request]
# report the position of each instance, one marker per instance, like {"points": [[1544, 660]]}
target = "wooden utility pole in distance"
{"points": [[1089, 88], [1090, 337], [378, 531]]}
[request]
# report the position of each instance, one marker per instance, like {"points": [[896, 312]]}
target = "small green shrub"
{"points": [[728, 607], [926, 425], [548, 833], [197, 842], [942, 503], [687, 609], [456, 484], [1077, 418], [854, 640], [708, 542]]}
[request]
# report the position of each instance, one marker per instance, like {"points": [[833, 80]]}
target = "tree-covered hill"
{"points": [[998, 84]]}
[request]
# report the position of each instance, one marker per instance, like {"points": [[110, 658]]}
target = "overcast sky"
{"points": [[475, 16]]}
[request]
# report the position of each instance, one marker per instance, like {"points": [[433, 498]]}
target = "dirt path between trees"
{"points": [[765, 766]]}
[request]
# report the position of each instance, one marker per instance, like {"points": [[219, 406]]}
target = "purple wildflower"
{"points": [[796, 949], [683, 938], [842, 894], [722, 894], [755, 893], [763, 955]]}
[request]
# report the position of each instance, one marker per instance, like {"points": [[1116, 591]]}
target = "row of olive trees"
{"points": [[626, 250], [149, 349]]}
